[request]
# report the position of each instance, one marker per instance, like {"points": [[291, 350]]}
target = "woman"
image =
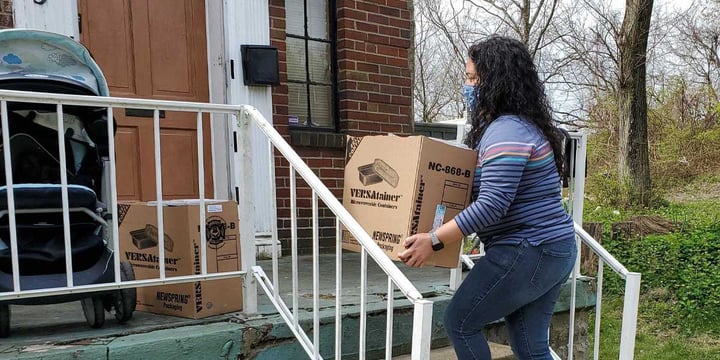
{"points": [[529, 238]]}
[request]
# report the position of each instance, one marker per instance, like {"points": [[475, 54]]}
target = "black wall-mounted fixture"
{"points": [[260, 65]]}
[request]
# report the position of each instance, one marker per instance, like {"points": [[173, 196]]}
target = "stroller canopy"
{"points": [[30, 56]]}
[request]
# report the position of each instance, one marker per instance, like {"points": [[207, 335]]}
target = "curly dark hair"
{"points": [[509, 84]]}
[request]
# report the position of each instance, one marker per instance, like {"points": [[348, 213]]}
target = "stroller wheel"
{"points": [[125, 299], [4, 320], [94, 311]]}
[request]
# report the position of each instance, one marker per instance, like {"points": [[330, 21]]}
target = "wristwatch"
{"points": [[437, 245]]}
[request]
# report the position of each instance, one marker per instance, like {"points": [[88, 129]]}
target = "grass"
{"points": [[654, 340], [677, 304]]}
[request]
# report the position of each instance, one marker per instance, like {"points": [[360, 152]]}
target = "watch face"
{"points": [[438, 246]]}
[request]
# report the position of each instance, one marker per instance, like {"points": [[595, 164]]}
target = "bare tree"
{"points": [[435, 90], [458, 23], [439, 64], [698, 45], [634, 161]]}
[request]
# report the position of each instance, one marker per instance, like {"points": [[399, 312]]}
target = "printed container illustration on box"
{"points": [[398, 186]]}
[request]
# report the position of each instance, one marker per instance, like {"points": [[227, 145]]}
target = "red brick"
{"points": [[369, 126], [400, 81], [391, 128], [390, 70], [400, 23], [401, 100], [388, 50], [398, 119], [339, 163], [349, 105], [400, 4], [354, 95], [391, 31], [346, 65], [352, 34], [379, 39], [389, 11], [349, 85], [376, 59], [368, 87], [277, 34], [330, 173], [392, 90], [389, 109], [369, 28], [345, 23], [371, 8], [401, 63], [346, 3], [380, 79], [280, 3], [371, 68], [352, 55], [277, 12], [375, 117], [378, 19], [380, 98], [346, 13], [401, 43], [354, 75], [278, 23], [319, 162]]}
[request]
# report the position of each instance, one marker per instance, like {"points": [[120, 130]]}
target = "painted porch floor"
{"points": [[60, 332]]}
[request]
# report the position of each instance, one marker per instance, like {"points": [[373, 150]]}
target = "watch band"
{"points": [[436, 243]]}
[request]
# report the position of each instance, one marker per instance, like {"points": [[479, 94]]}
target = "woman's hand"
{"points": [[418, 248]]}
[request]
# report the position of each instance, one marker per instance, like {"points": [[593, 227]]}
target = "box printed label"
{"points": [[454, 194]]}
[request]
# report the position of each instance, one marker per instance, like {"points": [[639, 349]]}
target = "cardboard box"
{"points": [[139, 246], [399, 186]]}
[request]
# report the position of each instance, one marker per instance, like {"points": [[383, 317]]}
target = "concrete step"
{"points": [[499, 352]]}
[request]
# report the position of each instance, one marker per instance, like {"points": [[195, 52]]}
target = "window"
{"points": [[311, 63]]}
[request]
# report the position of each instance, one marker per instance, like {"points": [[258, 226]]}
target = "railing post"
{"points": [[244, 190], [578, 196], [630, 313], [422, 330]]}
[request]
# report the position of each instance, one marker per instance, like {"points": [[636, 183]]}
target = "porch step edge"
{"points": [[498, 351]]}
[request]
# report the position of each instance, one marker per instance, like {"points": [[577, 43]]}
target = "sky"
{"points": [[681, 4]]}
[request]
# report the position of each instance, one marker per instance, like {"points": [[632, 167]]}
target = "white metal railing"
{"points": [[243, 117], [110, 103], [422, 320]]}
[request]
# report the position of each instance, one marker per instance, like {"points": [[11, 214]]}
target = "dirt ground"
{"points": [[695, 192]]}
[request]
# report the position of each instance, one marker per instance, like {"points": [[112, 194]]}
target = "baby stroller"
{"points": [[46, 62]]}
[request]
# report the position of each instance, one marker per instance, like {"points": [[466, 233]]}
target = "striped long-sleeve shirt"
{"points": [[516, 188]]}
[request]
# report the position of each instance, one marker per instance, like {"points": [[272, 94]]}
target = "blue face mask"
{"points": [[468, 92]]}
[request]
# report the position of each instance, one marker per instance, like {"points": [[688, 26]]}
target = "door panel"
{"points": [[128, 167], [153, 49], [109, 24]]}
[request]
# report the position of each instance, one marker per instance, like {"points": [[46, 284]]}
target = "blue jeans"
{"points": [[518, 282]]}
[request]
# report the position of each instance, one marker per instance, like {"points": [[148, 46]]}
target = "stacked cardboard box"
{"points": [[139, 246]]}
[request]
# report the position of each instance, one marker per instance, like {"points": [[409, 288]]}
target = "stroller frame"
{"points": [[70, 70]]}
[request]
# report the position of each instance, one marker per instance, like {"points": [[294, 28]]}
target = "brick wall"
{"points": [[375, 97], [6, 15], [374, 38]]}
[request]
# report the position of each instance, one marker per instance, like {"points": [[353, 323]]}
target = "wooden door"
{"points": [[153, 49]]}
